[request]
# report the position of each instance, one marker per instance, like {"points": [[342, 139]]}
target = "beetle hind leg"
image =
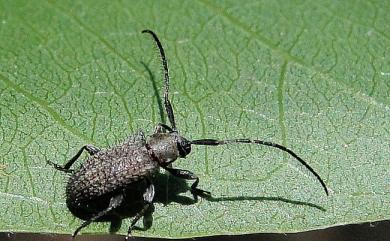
{"points": [[115, 202], [148, 198]]}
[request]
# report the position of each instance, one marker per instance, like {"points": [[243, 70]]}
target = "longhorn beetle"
{"points": [[109, 173]]}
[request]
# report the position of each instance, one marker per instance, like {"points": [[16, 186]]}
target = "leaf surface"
{"points": [[311, 75]]}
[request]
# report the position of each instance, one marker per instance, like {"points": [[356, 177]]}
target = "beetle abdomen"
{"points": [[108, 171]]}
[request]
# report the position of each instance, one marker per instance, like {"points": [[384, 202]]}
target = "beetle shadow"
{"points": [[156, 93], [169, 189], [274, 199]]}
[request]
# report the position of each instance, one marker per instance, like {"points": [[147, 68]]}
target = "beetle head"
{"points": [[183, 146]]}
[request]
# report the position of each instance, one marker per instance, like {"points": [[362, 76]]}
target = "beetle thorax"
{"points": [[167, 147], [164, 147]]}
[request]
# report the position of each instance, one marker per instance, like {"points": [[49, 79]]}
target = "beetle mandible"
{"points": [[107, 173]]}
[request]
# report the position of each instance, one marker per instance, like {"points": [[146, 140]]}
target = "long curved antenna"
{"points": [[167, 103], [212, 142]]}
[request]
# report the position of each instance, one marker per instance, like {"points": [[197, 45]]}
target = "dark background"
{"points": [[375, 231]]}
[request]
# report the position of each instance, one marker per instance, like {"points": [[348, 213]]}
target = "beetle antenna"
{"points": [[167, 103], [212, 142]]}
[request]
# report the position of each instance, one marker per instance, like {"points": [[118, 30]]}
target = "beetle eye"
{"points": [[184, 147]]}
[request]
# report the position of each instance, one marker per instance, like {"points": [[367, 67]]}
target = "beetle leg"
{"points": [[65, 168], [189, 176], [148, 198], [162, 128], [115, 202]]}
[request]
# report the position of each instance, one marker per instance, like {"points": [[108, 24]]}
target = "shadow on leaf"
{"points": [[275, 199], [169, 190]]}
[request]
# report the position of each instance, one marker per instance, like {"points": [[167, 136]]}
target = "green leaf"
{"points": [[311, 75]]}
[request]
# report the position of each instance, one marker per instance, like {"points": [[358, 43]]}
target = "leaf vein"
{"points": [[44, 105]]}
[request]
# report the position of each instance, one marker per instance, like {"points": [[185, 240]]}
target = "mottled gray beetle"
{"points": [[107, 174]]}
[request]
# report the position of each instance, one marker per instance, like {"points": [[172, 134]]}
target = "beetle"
{"points": [[108, 174]]}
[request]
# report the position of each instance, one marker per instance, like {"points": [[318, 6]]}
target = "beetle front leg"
{"points": [[92, 150], [162, 128], [185, 174]]}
